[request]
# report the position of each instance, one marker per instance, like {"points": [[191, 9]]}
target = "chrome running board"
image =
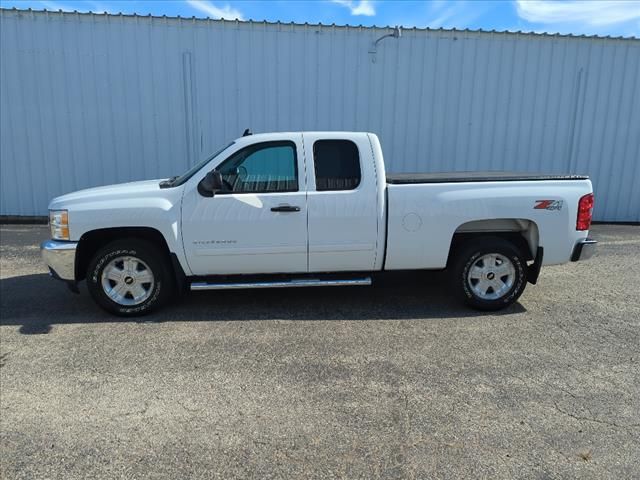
{"points": [[306, 282]]}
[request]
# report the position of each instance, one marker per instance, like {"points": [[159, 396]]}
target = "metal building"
{"points": [[93, 99]]}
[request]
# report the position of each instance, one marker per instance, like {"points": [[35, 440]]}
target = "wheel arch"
{"points": [[521, 232], [90, 242]]}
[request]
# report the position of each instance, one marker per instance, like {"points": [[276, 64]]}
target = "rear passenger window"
{"points": [[337, 165]]}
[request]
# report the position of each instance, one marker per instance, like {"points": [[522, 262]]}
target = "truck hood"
{"points": [[119, 191]]}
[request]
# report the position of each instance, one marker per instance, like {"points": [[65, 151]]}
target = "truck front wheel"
{"points": [[488, 273], [129, 277]]}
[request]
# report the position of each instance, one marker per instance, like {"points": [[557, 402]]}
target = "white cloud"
{"points": [[458, 14], [208, 8], [444, 16], [101, 7], [363, 7], [594, 12], [55, 6]]}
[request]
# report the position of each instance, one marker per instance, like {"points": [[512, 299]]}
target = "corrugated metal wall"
{"points": [[95, 99]]}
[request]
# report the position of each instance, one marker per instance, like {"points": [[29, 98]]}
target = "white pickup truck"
{"points": [[314, 209]]}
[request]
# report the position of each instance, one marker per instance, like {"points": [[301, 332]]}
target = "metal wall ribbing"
{"points": [[93, 99]]}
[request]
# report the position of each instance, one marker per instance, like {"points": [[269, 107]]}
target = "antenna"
{"points": [[247, 132]]}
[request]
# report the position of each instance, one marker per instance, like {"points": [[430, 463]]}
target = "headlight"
{"points": [[59, 224]]}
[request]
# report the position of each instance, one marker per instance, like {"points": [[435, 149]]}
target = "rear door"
{"points": [[259, 223], [342, 202]]}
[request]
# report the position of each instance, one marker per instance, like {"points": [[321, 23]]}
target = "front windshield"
{"points": [[193, 170]]}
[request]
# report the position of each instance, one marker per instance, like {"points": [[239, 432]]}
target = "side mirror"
{"points": [[211, 184]]}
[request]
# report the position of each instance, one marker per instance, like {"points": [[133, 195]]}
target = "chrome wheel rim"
{"points": [[127, 281], [491, 276]]}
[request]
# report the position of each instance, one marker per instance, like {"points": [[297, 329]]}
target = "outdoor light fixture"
{"points": [[397, 33]]}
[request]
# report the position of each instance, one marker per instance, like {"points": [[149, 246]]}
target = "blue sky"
{"points": [[607, 17]]}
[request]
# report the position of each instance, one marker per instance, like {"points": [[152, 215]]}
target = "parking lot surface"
{"points": [[393, 381]]}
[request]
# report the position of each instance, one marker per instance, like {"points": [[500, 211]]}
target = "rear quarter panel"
{"points": [[423, 218]]}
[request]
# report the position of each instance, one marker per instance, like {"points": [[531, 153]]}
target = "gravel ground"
{"points": [[395, 381]]}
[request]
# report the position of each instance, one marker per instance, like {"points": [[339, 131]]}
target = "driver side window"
{"points": [[262, 168]]}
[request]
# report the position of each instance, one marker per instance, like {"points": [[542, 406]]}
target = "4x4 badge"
{"points": [[548, 205]]}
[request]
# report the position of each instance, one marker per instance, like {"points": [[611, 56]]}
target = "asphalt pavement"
{"points": [[393, 381]]}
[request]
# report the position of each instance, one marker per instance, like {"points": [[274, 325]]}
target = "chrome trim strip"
{"points": [[282, 284], [60, 257]]}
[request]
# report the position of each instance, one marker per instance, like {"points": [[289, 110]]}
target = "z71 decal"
{"points": [[548, 205]]}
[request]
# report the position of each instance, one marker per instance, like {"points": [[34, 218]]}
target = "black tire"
{"points": [[469, 255], [158, 292]]}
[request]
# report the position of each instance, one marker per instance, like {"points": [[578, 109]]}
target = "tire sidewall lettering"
{"points": [[465, 271]]}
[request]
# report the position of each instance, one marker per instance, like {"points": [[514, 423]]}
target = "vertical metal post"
{"points": [[190, 119]]}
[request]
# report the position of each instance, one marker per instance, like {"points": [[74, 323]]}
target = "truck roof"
{"points": [[252, 138]]}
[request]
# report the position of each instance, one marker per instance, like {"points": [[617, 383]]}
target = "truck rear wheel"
{"points": [[129, 278], [488, 273]]}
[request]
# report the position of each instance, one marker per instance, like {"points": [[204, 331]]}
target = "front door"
{"points": [[258, 224]]}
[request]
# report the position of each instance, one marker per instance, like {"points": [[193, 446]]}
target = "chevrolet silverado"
{"points": [[314, 209]]}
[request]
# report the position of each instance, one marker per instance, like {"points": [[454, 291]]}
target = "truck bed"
{"points": [[459, 177]]}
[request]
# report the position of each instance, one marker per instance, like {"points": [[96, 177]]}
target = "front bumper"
{"points": [[60, 257], [584, 249]]}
